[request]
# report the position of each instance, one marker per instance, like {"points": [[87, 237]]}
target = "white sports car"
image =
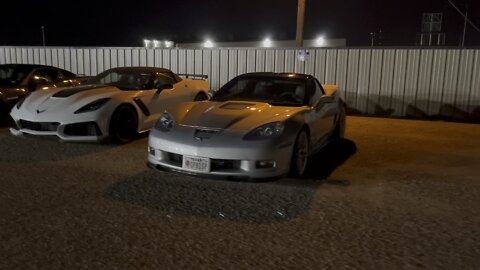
{"points": [[117, 104], [258, 125]]}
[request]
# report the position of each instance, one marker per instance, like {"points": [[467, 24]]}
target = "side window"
{"points": [[49, 73], [317, 94], [163, 79]]}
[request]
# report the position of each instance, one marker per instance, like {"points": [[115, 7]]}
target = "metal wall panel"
{"points": [[451, 79], [396, 81], [232, 68], [223, 68], [437, 82], [474, 97], [374, 81], [190, 62], [199, 62], [424, 80], [182, 61], [386, 82], [464, 80]]}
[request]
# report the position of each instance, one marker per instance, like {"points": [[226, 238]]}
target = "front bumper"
{"points": [[228, 153], [68, 131]]}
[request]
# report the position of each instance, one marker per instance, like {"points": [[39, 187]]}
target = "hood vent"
{"points": [[72, 91], [205, 133], [236, 105]]}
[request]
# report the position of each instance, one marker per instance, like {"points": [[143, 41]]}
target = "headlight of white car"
{"points": [[267, 131], [165, 123], [93, 106]]}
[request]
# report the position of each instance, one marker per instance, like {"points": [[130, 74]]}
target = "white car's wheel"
{"points": [[123, 124], [300, 154]]}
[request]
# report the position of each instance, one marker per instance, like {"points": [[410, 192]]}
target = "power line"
{"points": [[465, 16]]}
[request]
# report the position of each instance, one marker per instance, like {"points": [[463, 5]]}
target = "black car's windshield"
{"points": [[125, 80], [281, 91], [13, 75]]}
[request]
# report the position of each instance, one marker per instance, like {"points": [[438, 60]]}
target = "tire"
{"points": [[299, 158], [339, 131], [123, 124], [4, 114], [201, 96]]}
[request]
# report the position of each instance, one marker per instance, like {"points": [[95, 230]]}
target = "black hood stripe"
{"points": [[73, 90]]}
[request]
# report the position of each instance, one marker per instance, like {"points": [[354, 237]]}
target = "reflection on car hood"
{"points": [[233, 115], [65, 99]]}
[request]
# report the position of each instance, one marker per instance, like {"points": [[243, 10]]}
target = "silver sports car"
{"points": [[258, 125]]}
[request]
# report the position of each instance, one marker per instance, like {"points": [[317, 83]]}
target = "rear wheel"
{"points": [[201, 96], [300, 154], [123, 124], [4, 114]]}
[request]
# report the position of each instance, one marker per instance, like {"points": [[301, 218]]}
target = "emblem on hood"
{"points": [[40, 111]]}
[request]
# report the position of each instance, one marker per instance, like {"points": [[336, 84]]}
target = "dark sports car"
{"points": [[18, 80]]}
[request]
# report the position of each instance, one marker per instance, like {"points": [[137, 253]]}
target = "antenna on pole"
{"points": [[43, 36]]}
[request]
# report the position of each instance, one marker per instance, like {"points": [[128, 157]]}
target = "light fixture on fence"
{"points": [[320, 41], [168, 43], [208, 44], [267, 43], [147, 43]]}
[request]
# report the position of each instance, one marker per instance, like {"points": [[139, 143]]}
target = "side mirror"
{"points": [[38, 82], [324, 100], [165, 86]]}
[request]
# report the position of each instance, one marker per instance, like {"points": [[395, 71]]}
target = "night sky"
{"points": [[127, 23]]}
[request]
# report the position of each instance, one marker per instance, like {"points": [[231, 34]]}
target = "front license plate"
{"points": [[197, 164]]}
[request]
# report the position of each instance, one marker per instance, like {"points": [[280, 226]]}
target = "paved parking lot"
{"points": [[396, 194]]}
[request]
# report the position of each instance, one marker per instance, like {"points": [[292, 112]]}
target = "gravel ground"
{"points": [[398, 194]]}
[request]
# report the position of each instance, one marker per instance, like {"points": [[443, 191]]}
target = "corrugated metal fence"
{"points": [[387, 81]]}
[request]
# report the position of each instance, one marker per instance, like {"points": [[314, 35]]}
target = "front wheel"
{"points": [[300, 154], [123, 124]]}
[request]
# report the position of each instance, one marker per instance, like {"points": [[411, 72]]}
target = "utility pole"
{"points": [[43, 36], [464, 28], [300, 22]]}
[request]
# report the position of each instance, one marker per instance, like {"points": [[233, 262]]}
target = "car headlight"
{"points": [[93, 106], [20, 102], [166, 122], [267, 131]]}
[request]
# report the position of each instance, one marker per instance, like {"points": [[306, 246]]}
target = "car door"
{"points": [[322, 115], [164, 95]]}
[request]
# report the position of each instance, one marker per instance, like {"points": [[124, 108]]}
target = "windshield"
{"points": [[282, 91], [125, 79], [13, 75]]}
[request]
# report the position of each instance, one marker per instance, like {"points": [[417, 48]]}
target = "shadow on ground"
{"points": [[28, 148], [244, 202]]}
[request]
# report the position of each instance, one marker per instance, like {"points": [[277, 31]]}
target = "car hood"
{"points": [[65, 99], [232, 115]]}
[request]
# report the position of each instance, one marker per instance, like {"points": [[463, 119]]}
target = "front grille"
{"points": [[39, 126], [216, 164], [82, 129], [224, 164], [175, 159]]}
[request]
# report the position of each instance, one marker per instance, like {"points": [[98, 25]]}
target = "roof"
{"points": [[280, 75], [143, 69], [26, 65]]}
